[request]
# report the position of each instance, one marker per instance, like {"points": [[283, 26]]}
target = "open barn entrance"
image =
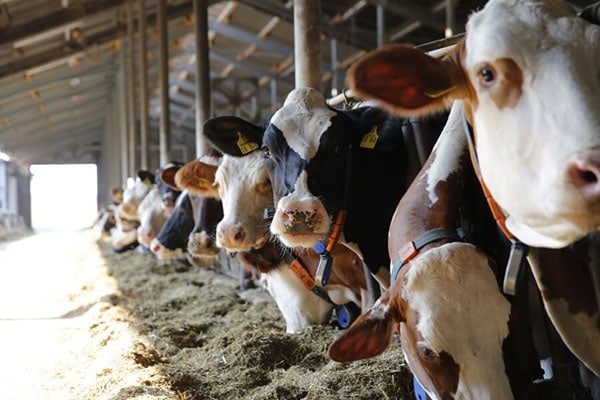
{"points": [[63, 196]]}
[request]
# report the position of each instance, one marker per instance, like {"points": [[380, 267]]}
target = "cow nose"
{"points": [[301, 220], [585, 175], [231, 235]]}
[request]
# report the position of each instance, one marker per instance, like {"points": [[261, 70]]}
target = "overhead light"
{"points": [[59, 30], [4, 156]]}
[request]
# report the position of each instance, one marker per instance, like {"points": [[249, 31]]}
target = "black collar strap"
{"points": [[411, 249]]}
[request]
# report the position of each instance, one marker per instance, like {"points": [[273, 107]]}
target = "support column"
{"points": [[143, 60], [307, 43], [122, 109], [163, 67], [380, 24], [203, 100], [131, 114]]}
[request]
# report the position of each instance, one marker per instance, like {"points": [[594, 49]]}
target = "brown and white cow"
{"points": [[527, 73], [243, 185], [454, 321]]}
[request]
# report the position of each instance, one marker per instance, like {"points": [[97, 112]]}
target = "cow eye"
{"points": [[487, 75], [426, 352]]}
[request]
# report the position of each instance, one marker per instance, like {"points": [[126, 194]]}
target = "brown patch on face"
{"points": [[437, 373], [502, 79]]}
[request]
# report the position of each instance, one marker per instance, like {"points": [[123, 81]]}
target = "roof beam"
{"points": [[58, 19], [54, 102], [102, 38], [251, 38], [39, 126]]}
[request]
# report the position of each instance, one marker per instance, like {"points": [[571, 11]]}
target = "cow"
{"points": [[157, 205], [330, 167], [460, 335], [202, 249], [242, 183], [189, 231], [538, 158], [124, 236]]}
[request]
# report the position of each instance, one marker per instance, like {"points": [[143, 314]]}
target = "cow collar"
{"points": [[345, 313], [411, 249], [518, 250]]}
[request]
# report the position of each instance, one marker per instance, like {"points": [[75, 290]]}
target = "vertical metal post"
{"points": [[273, 94], [143, 86], [380, 24], [131, 117], [163, 66], [121, 111], [307, 43], [203, 100], [449, 18], [335, 77]]}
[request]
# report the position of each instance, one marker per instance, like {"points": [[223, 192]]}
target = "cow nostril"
{"points": [[585, 175], [240, 235]]}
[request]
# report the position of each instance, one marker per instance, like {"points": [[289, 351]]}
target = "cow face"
{"points": [[242, 181], [532, 104], [171, 240], [151, 214], [453, 321], [307, 148]]}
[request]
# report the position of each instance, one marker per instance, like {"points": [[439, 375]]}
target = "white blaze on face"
{"points": [[245, 191], [462, 312], [303, 119], [526, 144]]}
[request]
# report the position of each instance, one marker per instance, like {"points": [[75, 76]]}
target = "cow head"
{"points": [[528, 73], [242, 182], [453, 321], [171, 240], [308, 149]]}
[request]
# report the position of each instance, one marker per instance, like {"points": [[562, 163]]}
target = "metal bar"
{"points": [[380, 24], [202, 87], [163, 60], [144, 101], [251, 38], [307, 43], [131, 114]]}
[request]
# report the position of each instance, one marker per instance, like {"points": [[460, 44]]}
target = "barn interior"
{"points": [[117, 83]]}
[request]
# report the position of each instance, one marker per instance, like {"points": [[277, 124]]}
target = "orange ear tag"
{"points": [[245, 145]]}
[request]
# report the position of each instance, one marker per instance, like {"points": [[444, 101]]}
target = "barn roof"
{"points": [[59, 63]]}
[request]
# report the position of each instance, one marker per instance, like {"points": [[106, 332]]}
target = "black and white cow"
{"points": [[324, 161]]}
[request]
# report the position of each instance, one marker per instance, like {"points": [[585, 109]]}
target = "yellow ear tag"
{"points": [[370, 139], [147, 182], [245, 145]]}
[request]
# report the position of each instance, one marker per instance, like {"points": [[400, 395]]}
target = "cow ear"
{"points": [[198, 178], [405, 80], [167, 174], [146, 176], [367, 337], [232, 135]]}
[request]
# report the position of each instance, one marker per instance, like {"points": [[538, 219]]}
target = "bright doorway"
{"points": [[63, 196]]}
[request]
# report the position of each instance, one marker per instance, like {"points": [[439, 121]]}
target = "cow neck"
{"points": [[412, 248], [324, 249], [345, 313], [518, 250], [305, 277]]}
